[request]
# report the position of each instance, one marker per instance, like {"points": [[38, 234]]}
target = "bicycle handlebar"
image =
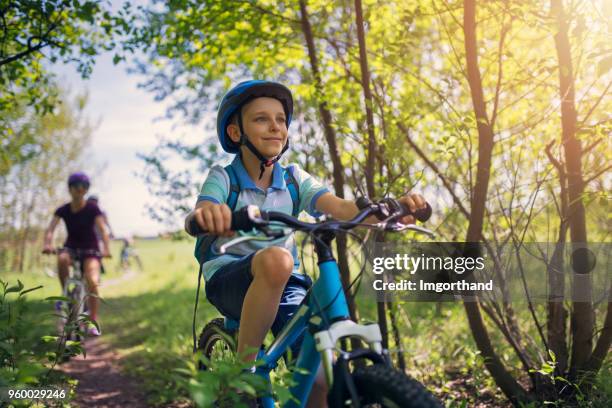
{"points": [[249, 217]]}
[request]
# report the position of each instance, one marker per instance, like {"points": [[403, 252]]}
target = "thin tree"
{"points": [[502, 377]]}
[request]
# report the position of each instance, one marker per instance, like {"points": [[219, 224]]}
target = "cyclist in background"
{"points": [[96, 200], [81, 218], [128, 251]]}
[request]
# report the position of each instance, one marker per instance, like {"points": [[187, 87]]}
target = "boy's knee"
{"points": [[274, 264]]}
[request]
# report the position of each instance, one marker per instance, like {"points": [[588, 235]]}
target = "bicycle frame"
{"points": [[75, 279], [326, 294]]}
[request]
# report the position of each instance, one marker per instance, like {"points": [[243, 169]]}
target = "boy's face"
{"points": [[77, 191], [263, 120]]}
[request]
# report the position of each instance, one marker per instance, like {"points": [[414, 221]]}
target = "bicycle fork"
{"points": [[325, 342]]}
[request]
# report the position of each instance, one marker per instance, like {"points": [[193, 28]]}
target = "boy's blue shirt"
{"points": [[277, 198]]}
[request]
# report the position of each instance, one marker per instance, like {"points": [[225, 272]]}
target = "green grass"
{"points": [[149, 318], [148, 321]]}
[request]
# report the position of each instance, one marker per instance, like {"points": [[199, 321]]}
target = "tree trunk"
{"points": [[371, 152], [582, 313], [367, 94], [330, 136], [502, 377], [556, 312], [603, 343]]}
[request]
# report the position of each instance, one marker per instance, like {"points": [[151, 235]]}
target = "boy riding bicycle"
{"points": [[81, 217], [259, 283]]}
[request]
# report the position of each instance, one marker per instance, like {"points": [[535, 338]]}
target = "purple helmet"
{"points": [[78, 178]]}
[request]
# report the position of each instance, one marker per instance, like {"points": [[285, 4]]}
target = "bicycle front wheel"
{"points": [[216, 343], [381, 386]]}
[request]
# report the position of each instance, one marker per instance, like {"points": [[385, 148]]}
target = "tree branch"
{"points": [[592, 109], [599, 173], [435, 169], [44, 41]]}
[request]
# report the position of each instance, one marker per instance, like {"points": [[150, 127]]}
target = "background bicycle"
{"points": [[72, 307], [129, 260]]}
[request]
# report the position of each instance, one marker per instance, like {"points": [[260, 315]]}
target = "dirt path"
{"points": [[101, 384]]}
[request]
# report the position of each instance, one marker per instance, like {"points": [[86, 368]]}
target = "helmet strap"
{"points": [[263, 161]]}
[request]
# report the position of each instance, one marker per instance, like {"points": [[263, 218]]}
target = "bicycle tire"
{"points": [[213, 334], [382, 386]]}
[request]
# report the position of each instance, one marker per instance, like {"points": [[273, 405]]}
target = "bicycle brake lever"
{"points": [[398, 227], [223, 248]]}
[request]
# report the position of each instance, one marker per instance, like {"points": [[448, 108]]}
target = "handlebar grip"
{"points": [[241, 220], [363, 202], [194, 229], [423, 214]]}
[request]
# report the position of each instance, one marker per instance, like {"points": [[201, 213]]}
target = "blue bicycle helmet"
{"points": [[242, 93], [78, 178]]}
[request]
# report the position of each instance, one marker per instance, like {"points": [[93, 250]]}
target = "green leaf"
{"points": [[31, 290], [16, 288], [57, 298]]}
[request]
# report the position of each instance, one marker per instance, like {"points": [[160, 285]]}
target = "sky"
{"points": [[129, 123]]}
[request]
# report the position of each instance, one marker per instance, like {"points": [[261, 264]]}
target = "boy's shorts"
{"points": [[227, 288]]}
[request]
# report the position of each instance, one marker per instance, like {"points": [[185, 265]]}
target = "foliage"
{"points": [[36, 33], [227, 383], [28, 354]]}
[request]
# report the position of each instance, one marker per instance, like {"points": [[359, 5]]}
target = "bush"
{"points": [[29, 350]]}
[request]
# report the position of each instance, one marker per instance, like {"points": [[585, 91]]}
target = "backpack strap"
{"points": [[294, 188], [234, 188]]}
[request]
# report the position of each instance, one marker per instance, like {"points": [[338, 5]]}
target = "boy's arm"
{"points": [[339, 208], [345, 210], [49, 233]]}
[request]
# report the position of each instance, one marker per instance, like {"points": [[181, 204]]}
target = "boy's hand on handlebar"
{"points": [[215, 218], [414, 202], [47, 249]]}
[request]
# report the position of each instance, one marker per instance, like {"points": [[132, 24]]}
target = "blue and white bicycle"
{"points": [[324, 318]]}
